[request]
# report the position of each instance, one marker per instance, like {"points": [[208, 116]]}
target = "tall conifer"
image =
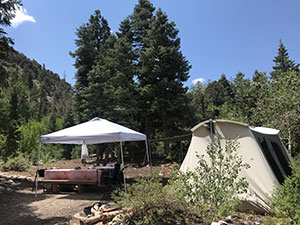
{"points": [[282, 63], [90, 38]]}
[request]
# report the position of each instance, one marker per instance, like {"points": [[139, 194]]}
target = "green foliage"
{"points": [[282, 63], [7, 13], [29, 134], [283, 107], [91, 36], [19, 163], [76, 152], [213, 187], [276, 221], [285, 199], [152, 203]]}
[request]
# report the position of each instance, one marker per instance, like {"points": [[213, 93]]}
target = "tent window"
{"points": [[271, 161], [282, 159]]}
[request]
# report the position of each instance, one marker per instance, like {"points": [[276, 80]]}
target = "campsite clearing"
{"points": [[21, 207]]}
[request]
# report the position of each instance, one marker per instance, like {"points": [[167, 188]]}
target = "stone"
{"points": [[9, 182], [228, 219], [221, 222], [2, 189]]}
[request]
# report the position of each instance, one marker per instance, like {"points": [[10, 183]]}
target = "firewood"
{"points": [[111, 215], [92, 220]]}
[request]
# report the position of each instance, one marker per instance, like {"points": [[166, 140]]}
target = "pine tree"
{"points": [[140, 21], [161, 75], [282, 63], [7, 13], [90, 38], [111, 92]]}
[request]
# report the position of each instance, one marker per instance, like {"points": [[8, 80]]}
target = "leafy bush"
{"points": [[151, 203], [285, 199], [214, 185], [276, 221], [19, 163]]}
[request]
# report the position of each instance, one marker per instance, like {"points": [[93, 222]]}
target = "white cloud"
{"points": [[198, 80], [21, 16]]}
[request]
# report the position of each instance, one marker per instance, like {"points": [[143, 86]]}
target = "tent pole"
{"points": [[37, 171], [122, 156], [148, 157]]}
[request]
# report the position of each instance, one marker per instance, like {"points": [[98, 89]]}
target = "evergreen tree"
{"points": [[282, 63], [260, 92], [7, 13], [90, 38], [163, 69], [140, 21], [198, 104], [17, 112], [111, 92]]}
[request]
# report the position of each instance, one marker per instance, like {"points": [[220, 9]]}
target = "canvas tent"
{"points": [[95, 131], [260, 147]]}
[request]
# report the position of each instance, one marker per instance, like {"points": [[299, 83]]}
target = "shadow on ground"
{"points": [[22, 207], [15, 209]]}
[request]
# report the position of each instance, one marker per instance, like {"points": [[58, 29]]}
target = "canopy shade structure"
{"points": [[95, 131]]}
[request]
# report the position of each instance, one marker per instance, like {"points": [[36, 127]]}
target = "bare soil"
{"points": [[22, 206]]}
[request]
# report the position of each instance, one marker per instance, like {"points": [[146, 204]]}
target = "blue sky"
{"points": [[217, 36]]}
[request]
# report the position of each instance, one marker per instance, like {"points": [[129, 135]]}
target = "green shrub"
{"points": [[286, 198], [212, 188], [276, 221], [19, 163], [151, 203]]}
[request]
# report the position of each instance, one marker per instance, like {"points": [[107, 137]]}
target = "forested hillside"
{"points": [[29, 93]]}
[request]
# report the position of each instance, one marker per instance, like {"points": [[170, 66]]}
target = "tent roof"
{"points": [[219, 121], [95, 131], [262, 130]]}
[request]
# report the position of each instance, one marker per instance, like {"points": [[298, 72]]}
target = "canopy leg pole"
{"points": [[148, 156], [37, 170], [122, 157]]}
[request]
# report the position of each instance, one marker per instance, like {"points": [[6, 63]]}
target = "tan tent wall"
{"points": [[260, 176]]}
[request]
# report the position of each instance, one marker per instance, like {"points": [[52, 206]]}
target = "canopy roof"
{"points": [[95, 131]]}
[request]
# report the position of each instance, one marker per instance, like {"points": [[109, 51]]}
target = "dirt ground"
{"points": [[21, 206]]}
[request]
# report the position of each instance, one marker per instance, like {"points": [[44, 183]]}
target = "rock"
{"points": [[2, 179], [228, 219], [22, 178], [221, 222], [8, 189], [9, 182], [2, 189]]}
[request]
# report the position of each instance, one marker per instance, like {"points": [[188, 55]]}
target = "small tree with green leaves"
{"points": [[286, 197], [213, 187]]}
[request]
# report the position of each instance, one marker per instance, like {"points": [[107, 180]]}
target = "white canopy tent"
{"points": [[95, 131]]}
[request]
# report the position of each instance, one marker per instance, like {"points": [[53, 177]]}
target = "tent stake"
{"points": [[122, 156]]}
